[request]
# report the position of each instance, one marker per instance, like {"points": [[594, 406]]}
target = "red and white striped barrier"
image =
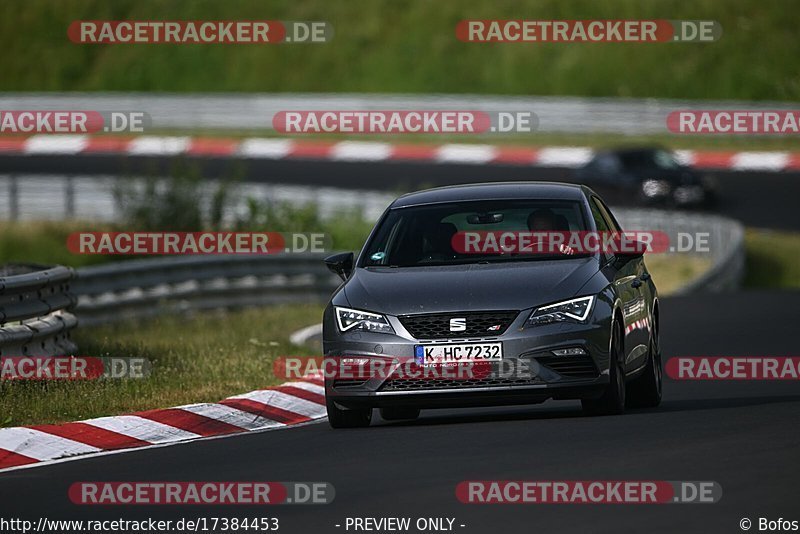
{"points": [[292, 403], [268, 148]]}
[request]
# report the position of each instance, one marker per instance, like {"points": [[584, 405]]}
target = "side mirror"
{"points": [[632, 250], [341, 264]]}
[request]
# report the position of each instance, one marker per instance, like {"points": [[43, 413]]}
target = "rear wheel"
{"points": [[612, 402], [645, 391], [398, 413], [341, 418]]}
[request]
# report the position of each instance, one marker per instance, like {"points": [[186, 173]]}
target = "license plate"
{"points": [[427, 355]]}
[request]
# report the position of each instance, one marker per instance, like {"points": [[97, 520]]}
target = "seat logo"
{"points": [[458, 324]]}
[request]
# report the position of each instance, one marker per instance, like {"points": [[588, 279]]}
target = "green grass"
{"points": [[773, 259], [671, 271], [409, 47], [203, 359], [46, 243]]}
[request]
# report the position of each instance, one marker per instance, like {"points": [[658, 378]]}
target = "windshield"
{"points": [[423, 235]]}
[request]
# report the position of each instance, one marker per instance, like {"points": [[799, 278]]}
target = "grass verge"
{"points": [[773, 259], [45, 242], [203, 359], [671, 271]]}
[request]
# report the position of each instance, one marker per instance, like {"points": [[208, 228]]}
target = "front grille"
{"points": [[579, 366], [478, 324], [511, 373]]}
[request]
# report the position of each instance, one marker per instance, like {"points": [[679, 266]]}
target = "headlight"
{"points": [[655, 188], [569, 310], [348, 319]]}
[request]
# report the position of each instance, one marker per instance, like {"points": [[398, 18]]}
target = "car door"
{"points": [[627, 279]]}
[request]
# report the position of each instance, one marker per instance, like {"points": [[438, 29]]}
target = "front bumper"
{"points": [[531, 373]]}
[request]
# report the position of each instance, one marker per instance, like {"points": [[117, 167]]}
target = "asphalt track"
{"points": [[743, 435], [759, 199]]}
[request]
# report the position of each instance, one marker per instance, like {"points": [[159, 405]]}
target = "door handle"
{"points": [[636, 283]]}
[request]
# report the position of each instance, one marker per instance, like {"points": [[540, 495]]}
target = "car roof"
{"points": [[494, 191]]}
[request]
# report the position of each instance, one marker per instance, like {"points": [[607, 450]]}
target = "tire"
{"points": [[612, 402], [339, 418], [646, 390], [399, 413]]}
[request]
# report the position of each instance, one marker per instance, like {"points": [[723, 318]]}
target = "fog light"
{"points": [[569, 352]]}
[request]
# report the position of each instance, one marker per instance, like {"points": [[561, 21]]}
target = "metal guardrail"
{"points": [[34, 320], [725, 243], [149, 287], [221, 111]]}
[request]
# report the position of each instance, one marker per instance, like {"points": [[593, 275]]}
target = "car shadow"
{"points": [[573, 411]]}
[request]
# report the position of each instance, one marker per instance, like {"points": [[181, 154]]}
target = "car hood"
{"points": [[498, 286]]}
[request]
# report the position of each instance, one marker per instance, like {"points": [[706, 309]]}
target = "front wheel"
{"points": [[612, 402], [645, 391], [341, 418]]}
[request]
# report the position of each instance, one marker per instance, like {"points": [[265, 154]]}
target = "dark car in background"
{"points": [[649, 176], [572, 325]]}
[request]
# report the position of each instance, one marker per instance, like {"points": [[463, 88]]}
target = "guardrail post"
{"points": [[69, 197], [13, 198]]}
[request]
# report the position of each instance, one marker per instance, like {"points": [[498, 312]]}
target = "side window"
{"points": [[612, 222], [603, 223], [608, 164], [597, 215], [383, 249]]}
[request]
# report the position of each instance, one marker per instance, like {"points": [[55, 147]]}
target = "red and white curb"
{"points": [[283, 406], [365, 151]]}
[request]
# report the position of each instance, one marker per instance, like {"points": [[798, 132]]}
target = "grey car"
{"points": [[563, 324]]}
